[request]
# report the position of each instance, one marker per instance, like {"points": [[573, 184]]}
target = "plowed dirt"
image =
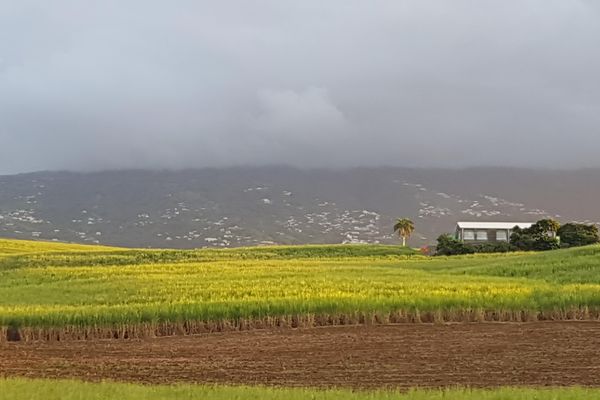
{"points": [[479, 355]]}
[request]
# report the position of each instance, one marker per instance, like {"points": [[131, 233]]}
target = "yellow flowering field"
{"points": [[121, 292]]}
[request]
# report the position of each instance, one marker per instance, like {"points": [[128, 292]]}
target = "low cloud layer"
{"points": [[154, 84]]}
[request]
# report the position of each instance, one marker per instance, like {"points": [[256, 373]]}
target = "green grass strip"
{"points": [[45, 389]]}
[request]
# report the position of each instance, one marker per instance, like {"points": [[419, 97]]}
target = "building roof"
{"points": [[494, 225]]}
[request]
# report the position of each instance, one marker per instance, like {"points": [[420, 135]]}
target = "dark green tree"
{"points": [[546, 226], [540, 236], [574, 234]]}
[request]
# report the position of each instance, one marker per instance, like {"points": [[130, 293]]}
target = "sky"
{"points": [[111, 84]]}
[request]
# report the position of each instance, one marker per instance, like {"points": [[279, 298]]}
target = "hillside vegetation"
{"points": [[62, 291], [246, 206]]}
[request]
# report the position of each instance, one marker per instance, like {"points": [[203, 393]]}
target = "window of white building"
{"points": [[482, 235], [501, 236], [468, 235]]}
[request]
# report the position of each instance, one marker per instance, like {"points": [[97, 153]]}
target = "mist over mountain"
{"points": [[224, 207], [88, 86]]}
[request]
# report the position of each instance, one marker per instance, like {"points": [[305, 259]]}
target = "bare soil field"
{"points": [[399, 356]]}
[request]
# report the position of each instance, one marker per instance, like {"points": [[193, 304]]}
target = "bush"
{"points": [[536, 238], [497, 247], [572, 235], [447, 245], [543, 243]]}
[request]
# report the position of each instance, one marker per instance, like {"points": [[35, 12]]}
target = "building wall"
{"points": [[483, 235]]}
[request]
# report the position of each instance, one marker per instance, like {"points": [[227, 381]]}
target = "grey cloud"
{"points": [[150, 84]]}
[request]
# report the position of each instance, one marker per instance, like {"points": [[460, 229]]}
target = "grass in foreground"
{"points": [[38, 389], [85, 288]]}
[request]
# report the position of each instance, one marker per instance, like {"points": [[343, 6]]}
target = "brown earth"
{"points": [[407, 355]]}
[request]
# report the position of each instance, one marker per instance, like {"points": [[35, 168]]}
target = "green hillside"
{"points": [[101, 292]]}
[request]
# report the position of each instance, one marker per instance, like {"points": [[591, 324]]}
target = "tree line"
{"points": [[546, 234]]}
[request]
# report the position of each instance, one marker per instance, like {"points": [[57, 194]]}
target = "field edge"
{"points": [[64, 389], [187, 328]]}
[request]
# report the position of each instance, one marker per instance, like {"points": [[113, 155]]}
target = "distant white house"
{"points": [[487, 231]]}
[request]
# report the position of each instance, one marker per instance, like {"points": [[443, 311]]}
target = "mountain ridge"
{"points": [[240, 206]]}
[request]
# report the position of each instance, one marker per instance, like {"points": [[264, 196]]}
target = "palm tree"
{"points": [[405, 227]]}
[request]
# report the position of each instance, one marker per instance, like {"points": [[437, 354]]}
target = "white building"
{"points": [[487, 231]]}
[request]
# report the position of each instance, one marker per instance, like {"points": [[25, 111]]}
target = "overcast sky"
{"points": [[87, 85]]}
